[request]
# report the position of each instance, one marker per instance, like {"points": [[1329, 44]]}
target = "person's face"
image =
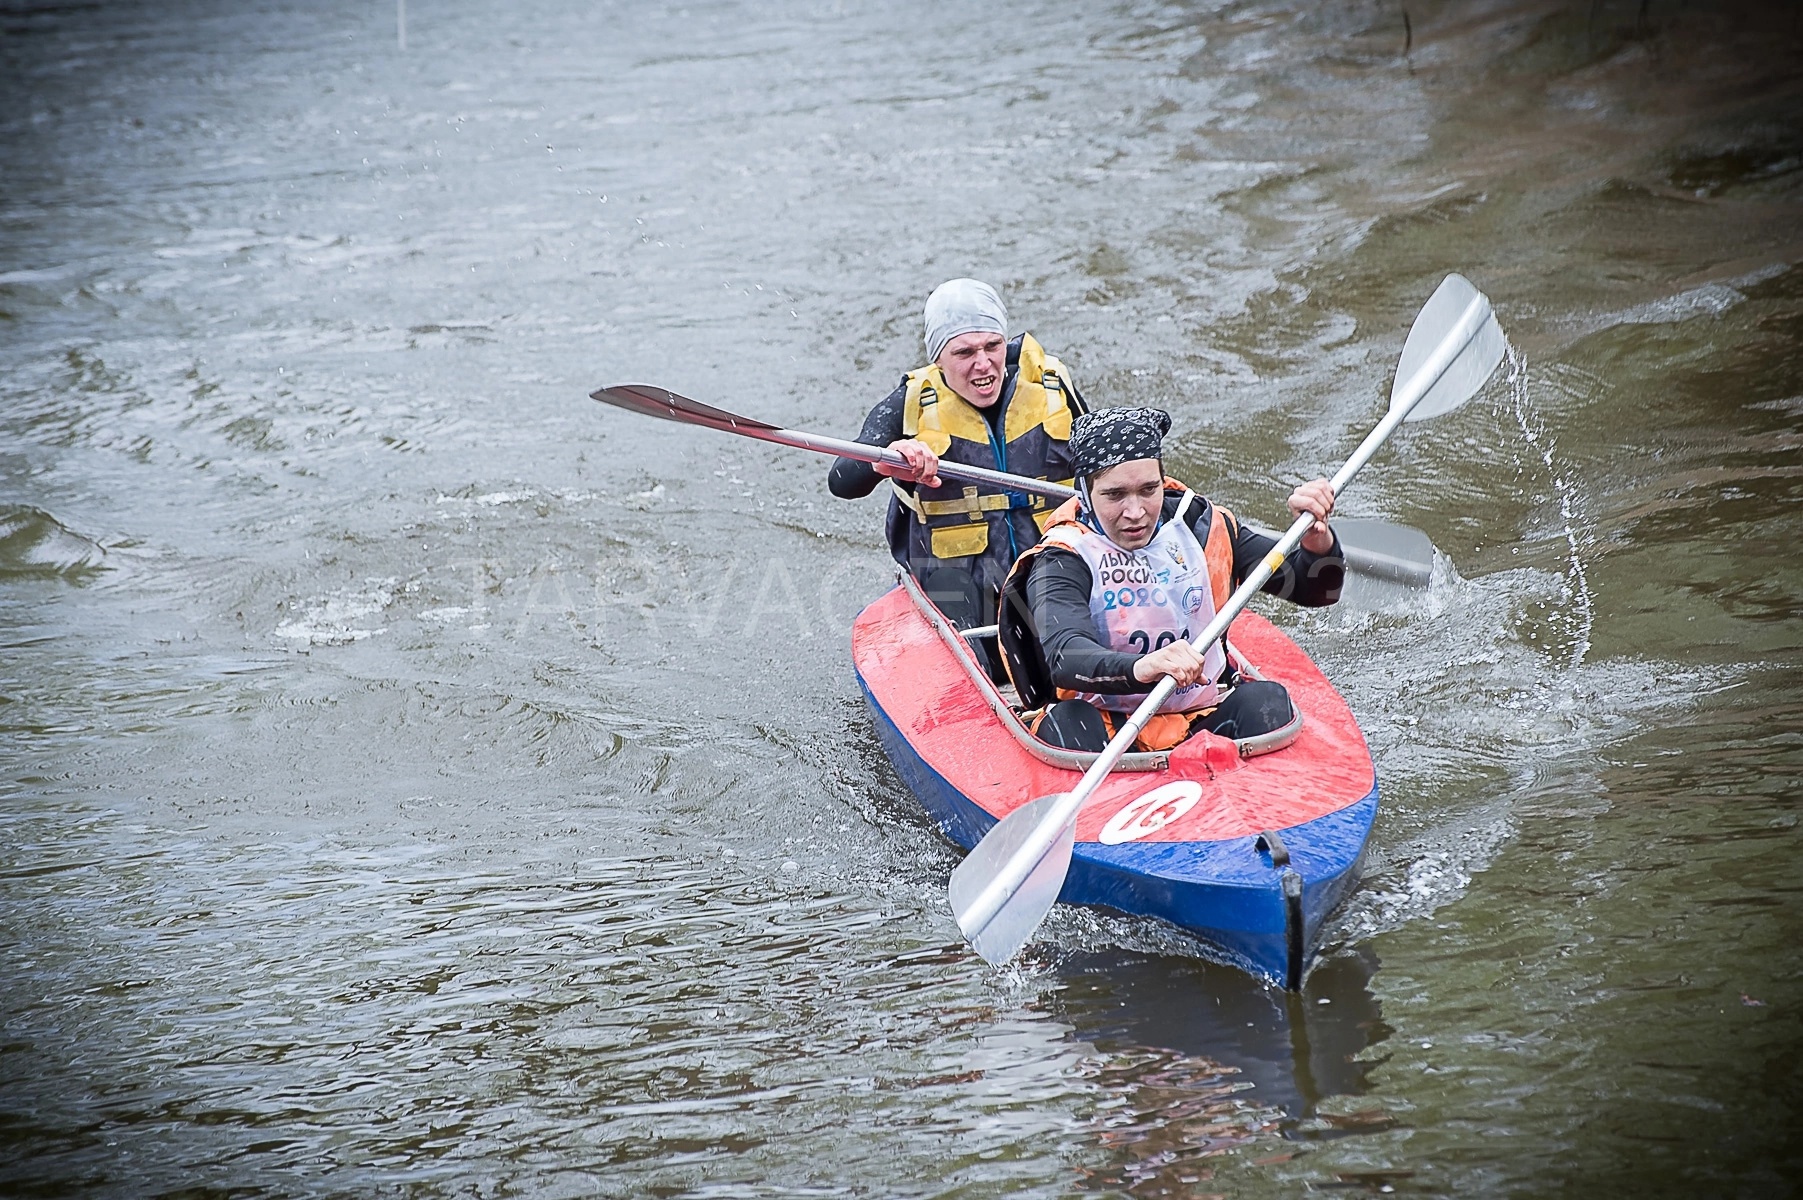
{"points": [[1126, 500], [973, 364]]}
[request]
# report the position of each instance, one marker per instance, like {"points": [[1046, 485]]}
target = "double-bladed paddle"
{"points": [[1399, 553], [1005, 886]]}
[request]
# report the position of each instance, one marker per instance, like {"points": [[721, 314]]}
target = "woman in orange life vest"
{"points": [[983, 400], [1127, 572]]}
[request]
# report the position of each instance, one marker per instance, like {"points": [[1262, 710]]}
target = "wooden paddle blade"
{"points": [[1444, 315], [1029, 900], [650, 400]]}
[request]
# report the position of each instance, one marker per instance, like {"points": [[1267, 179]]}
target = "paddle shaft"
{"points": [[652, 401], [1357, 558], [894, 458], [1002, 887]]}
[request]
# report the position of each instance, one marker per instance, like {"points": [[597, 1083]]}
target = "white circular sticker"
{"points": [[1151, 812]]}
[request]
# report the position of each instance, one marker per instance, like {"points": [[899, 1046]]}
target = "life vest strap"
{"points": [[970, 503]]}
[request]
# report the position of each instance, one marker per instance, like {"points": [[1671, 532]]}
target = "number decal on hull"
{"points": [[1151, 812]]}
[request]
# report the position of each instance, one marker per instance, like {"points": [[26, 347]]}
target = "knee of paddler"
{"points": [[1253, 707], [1073, 725], [954, 591]]}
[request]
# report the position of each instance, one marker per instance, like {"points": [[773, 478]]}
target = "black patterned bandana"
{"points": [[1109, 437]]}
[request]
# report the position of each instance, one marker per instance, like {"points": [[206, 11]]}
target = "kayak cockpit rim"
{"points": [[1069, 760], [1073, 760]]}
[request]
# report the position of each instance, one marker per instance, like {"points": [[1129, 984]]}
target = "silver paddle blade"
{"points": [[1028, 901], [1381, 549], [1385, 550], [1456, 311]]}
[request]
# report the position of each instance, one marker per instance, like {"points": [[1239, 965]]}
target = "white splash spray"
{"points": [[1577, 604]]}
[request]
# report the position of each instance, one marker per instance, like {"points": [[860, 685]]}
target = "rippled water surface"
{"points": [[417, 779]]}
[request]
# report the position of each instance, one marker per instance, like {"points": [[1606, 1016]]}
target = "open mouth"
{"points": [[983, 383]]}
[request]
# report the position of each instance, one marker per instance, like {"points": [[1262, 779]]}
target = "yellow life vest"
{"points": [[1035, 428]]}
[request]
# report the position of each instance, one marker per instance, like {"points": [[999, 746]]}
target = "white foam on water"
{"points": [[330, 620], [35, 274], [1710, 300], [1498, 722], [449, 613], [522, 495]]}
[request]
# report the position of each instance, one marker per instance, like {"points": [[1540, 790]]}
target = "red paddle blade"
{"points": [[649, 400]]}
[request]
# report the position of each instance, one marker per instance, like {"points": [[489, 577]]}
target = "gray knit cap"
{"points": [[962, 306]]}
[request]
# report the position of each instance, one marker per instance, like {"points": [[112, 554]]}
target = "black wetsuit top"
{"points": [[1058, 591]]}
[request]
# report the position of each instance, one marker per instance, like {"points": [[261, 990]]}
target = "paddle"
{"points": [[1005, 886], [653, 401], [1395, 552]]}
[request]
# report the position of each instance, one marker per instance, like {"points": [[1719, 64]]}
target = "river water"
{"points": [[420, 780]]}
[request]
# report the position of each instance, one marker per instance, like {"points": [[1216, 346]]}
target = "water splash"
{"points": [[1577, 612], [1497, 717]]}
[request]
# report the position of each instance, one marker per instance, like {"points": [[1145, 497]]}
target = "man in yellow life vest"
{"points": [[1126, 574], [985, 400]]}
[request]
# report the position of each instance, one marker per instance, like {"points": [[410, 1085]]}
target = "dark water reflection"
{"points": [[1294, 1050], [1200, 1060], [415, 779]]}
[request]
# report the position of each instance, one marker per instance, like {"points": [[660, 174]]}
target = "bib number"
{"points": [[1143, 642]]}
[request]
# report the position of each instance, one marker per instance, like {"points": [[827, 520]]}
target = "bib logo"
{"points": [[1118, 566], [1151, 812]]}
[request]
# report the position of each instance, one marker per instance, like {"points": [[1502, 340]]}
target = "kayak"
{"points": [[1250, 846]]}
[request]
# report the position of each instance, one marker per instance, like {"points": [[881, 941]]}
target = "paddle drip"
{"points": [[1576, 614]]}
